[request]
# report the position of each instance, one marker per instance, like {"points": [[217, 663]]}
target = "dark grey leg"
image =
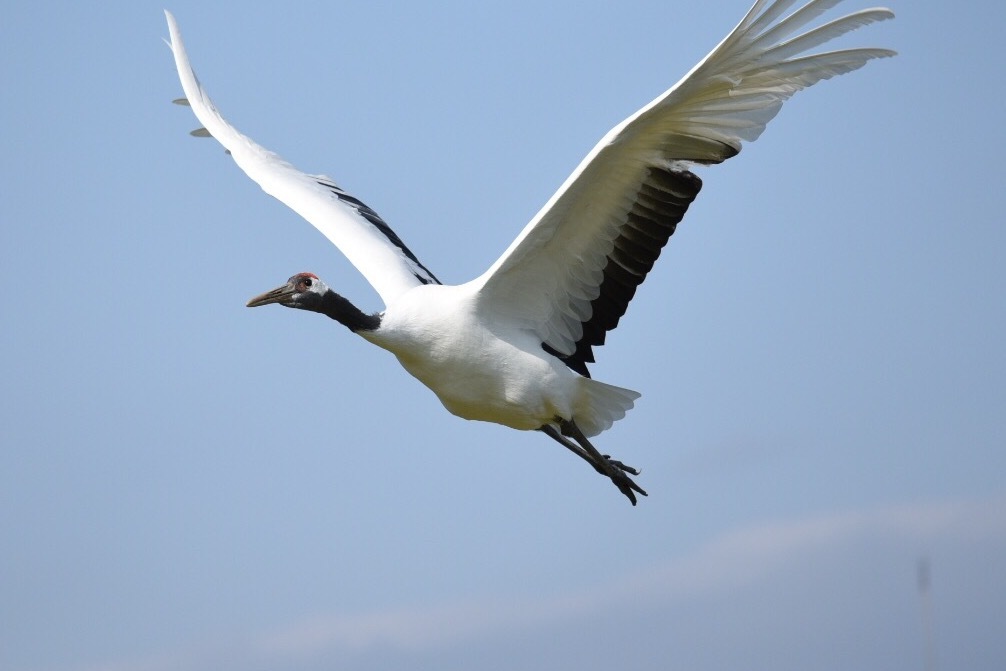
{"points": [[552, 433], [602, 463]]}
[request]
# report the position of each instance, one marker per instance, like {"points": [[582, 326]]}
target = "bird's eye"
{"points": [[304, 284]]}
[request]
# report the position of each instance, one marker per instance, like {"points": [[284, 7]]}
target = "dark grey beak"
{"points": [[282, 294]]}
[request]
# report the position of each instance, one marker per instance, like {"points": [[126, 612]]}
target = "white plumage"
{"points": [[512, 346]]}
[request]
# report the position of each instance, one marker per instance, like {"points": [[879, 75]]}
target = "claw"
{"points": [[627, 487], [624, 467], [624, 483]]}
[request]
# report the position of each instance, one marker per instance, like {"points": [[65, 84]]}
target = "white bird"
{"points": [[512, 346]]}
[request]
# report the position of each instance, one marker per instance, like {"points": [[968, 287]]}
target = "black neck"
{"points": [[341, 310]]}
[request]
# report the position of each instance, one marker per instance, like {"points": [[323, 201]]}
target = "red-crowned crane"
{"points": [[512, 346]]}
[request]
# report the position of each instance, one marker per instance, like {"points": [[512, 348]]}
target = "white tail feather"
{"points": [[600, 405]]}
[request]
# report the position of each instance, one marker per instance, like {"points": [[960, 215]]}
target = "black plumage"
{"points": [[660, 203]]}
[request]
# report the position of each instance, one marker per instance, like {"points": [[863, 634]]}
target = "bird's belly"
{"points": [[491, 380], [493, 373]]}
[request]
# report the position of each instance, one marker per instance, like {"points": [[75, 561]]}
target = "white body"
{"points": [[492, 372]]}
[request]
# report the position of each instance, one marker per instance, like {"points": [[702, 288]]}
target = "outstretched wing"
{"points": [[354, 228], [569, 276]]}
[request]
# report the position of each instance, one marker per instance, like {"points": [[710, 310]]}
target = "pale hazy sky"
{"points": [[190, 485]]}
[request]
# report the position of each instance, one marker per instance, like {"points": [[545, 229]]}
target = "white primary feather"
{"points": [[351, 226], [549, 275]]}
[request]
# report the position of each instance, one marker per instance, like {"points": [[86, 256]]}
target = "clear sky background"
{"points": [[189, 485]]}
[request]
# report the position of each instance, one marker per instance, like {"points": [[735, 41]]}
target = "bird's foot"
{"points": [[619, 474], [619, 465], [613, 469]]}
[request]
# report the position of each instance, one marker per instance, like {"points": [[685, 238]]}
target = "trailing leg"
{"points": [[602, 463]]}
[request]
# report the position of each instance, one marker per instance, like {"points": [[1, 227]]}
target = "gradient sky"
{"points": [[190, 485]]}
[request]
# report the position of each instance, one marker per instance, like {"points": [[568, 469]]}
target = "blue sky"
{"points": [[187, 484]]}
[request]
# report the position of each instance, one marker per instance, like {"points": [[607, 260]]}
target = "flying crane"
{"points": [[512, 345]]}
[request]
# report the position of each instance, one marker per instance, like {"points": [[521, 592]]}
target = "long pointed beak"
{"points": [[278, 295]]}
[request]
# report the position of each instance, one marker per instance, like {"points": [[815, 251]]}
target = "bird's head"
{"points": [[303, 291]]}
